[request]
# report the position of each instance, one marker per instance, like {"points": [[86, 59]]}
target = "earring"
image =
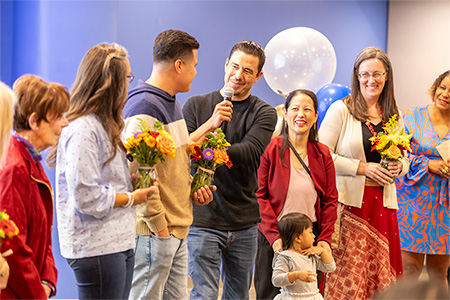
{"points": [[37, 128]]}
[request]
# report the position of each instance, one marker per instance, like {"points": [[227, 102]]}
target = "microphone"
{"points": [[228, 93]]}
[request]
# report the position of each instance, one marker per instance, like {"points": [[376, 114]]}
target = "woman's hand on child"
{"points": [[306, 275], [313, 250], [277, 246]]}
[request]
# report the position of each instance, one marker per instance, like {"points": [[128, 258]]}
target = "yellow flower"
{"points": [[150, 141], [383, 141]]}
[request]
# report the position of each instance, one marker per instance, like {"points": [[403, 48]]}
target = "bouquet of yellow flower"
{"points": [[207, 156], [8, 229], [391, 143], [149, 147]]}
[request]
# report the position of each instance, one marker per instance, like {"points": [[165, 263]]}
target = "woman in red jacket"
{"points": [[296, 175], [25, 191]]}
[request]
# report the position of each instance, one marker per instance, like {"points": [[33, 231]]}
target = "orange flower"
{"points": [[195, 151], [9, 228], [165, 144], [220, 156], [393, 152]]}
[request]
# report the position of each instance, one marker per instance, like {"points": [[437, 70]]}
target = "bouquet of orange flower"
{"points": [[8, 229], [391, 143], [149, 147], [207, 156]]}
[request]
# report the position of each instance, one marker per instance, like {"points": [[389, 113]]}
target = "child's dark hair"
{"points": [[292, 225]]}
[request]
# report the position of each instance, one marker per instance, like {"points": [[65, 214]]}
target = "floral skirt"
{"points": [[368, 258]]}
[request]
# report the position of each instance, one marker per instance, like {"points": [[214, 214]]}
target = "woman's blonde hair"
{"points": [[6, 113], [100, 88]]}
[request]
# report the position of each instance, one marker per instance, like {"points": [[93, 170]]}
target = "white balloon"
{"points": [[299, 57]]}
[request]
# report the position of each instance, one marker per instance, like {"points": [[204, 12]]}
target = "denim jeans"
{"points": [[104, 277], [214, 252], [160, 269]]}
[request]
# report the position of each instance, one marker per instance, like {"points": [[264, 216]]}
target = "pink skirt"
{"points": [[368, 258]]}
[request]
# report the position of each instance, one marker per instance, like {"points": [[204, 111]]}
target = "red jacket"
{"points": [[27, 197], [273, 179]]}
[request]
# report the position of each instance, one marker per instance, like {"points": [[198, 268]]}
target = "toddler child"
{"points": [[294, 269]]}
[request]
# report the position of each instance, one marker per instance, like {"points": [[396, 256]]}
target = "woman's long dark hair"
{"points": [[313, 132]]}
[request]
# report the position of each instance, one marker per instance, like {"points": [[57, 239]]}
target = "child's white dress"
{"points": [[290, 261]]}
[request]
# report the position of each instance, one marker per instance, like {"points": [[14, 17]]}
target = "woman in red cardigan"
{"points": [[288, 184], [26, 194]]}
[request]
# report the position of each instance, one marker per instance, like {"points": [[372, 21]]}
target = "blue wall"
{"points": [[49, 38]]}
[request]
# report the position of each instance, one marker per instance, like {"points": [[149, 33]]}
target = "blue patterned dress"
{"points": [[423, 197]]}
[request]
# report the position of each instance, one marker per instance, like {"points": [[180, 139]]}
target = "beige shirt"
{"points": [[302, 195]]}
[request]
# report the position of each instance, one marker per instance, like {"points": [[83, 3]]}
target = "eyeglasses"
{"points": [[374, 75], [130, 77]]}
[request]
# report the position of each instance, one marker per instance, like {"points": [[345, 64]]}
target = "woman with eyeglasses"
{"points": [[423, 193], [95, 200], [368, 257]]}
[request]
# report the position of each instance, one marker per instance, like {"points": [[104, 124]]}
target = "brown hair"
{"points": [[251, 48], [47, 100], [171, 45], [437, 82], [100, 88], [355, 101]]}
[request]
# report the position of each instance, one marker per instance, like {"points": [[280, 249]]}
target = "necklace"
{"points": [[369, 125]]}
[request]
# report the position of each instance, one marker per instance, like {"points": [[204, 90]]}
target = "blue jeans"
{"points": [[104, 277], [160, 269], [231, 253]]}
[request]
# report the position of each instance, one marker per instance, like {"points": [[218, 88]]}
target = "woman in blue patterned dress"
{"points": [[423, 193]]}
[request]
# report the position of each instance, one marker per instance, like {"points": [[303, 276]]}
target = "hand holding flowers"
{"points": [[392, 143], [149, 147], [8, 229], [207, 156]]}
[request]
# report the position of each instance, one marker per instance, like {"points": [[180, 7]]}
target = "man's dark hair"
{"points": [[171, 45], [251, 48]]}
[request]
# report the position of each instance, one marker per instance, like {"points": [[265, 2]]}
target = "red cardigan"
{"points": [[273, 179], [27, 196]]}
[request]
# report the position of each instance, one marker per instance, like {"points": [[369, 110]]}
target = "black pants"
{"points": [[263, 268]]}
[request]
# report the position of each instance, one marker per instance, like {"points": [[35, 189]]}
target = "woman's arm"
{"points": [[328, 204], [334, 127], [269, 220]]}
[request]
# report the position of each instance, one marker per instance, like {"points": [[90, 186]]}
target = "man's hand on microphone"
{"points": [[222, 113]]}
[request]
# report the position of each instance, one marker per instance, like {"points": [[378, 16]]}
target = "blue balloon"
{"points": [[328, 94]]}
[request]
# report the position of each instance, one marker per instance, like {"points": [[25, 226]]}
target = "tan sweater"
{"points": [[172, 207]]}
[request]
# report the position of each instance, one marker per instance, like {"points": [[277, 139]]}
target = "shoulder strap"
{"points": [[299, 158]]}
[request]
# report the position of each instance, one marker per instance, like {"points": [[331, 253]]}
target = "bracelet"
{"points": [[51, 286], [130, 200]]}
